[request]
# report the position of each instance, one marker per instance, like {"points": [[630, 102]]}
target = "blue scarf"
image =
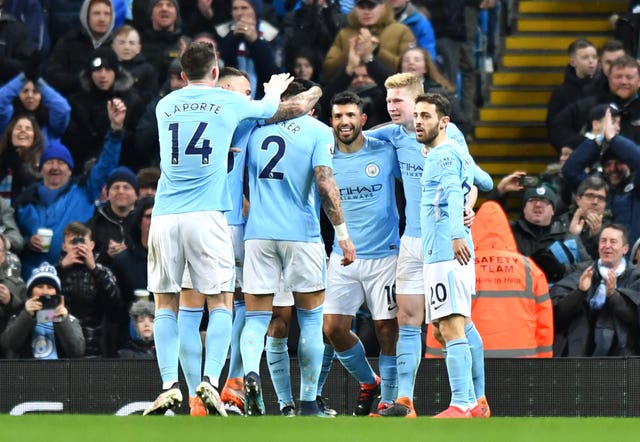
{"points": [[600, 296], [43, 341]]}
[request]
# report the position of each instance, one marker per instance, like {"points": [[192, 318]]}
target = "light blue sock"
{"points": [[356, 363], [459, 370], [327, 359], [279, 369], [235, 359], [255, 328], [190, 346], [310, 351], [477, 359], [165, 336], [217, 343], [408, 350], [389, 378]]}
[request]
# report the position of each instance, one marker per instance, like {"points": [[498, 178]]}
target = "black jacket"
{"points": [[91, 295], [15, 46], [578, 328], [571, 90], [568, 127]]}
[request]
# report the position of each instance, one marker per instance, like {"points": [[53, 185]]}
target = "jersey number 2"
{"points": [[192, 148], [268, 172]]}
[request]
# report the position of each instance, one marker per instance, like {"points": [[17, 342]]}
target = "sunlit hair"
{"points": [[198, 60], [32, 154], [409, 81], [433, 73], [442, 103]]}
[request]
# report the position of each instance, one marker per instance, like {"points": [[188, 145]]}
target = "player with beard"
{"points": [[446, 244]]}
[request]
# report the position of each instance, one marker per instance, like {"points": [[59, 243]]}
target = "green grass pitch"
{"points": [[98, 428]]}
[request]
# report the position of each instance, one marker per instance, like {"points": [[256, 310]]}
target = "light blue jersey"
{"points": [[235, 167], [411, 157], [281, 157], [446, 182], [366, 179], [195, 126]]}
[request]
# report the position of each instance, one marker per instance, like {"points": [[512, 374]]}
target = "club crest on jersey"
{"points": [[372, 170]]}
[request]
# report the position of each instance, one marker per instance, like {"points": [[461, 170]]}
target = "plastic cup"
{"points": [[46, 235]]}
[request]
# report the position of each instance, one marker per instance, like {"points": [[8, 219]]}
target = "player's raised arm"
{"points": [[297, 105], [330, 196]]}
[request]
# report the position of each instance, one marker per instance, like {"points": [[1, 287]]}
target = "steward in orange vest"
{"points": [[512, 309]]}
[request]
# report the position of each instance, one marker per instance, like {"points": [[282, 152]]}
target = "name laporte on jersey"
{"points": [[194, 107]]}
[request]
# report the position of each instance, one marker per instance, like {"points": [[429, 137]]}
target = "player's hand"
{"points": [[461, 250], [469, 217], [278, 82], [348, 251]]}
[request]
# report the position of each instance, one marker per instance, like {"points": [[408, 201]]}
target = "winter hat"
{"points": [[122, 173], [103, 57], [142, 308], [45, 274], [544, 192], [375, 2], [55, 149], [257, 6], [152, 4]]}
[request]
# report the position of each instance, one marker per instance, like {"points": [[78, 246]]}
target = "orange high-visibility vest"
{"points": [[512, 309]]}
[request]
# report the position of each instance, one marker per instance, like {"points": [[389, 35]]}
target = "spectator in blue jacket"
{"points": [[617, 158], [34, 96], [407, 14], [58, 200]]}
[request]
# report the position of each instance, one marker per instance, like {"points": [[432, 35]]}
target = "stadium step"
{"points": [[517, 96], [522, 113], [572, 7], [540, 41], [510, 133]]}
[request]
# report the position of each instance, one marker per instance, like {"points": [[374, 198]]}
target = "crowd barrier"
{"points": [[514, 387]]}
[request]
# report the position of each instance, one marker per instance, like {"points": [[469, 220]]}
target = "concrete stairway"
{"points": [[511, 132]]}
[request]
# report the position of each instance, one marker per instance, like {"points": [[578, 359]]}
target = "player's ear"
{"points": [[184, 77]]}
